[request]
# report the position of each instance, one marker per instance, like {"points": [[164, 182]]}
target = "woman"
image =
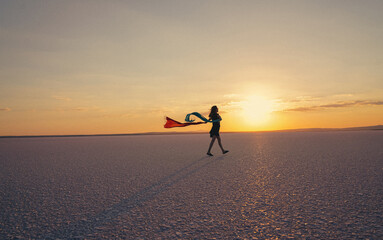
{"points": [[214, 132]]}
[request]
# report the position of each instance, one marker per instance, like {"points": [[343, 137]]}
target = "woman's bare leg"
{"points": [[211, 143], [220, 143]]}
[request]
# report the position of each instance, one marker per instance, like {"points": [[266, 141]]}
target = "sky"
{"points": [[104, 67]]}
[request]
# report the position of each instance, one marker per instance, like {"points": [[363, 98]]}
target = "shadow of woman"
{"points": [[89, 224]]}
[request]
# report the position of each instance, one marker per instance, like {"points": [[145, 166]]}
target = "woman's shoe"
{"points": [[226, 151], [209, 154]]}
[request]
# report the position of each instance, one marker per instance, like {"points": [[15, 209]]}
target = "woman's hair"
{"points": [[213, 111]]}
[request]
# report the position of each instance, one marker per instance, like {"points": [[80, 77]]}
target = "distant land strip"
{"points": [[377, 127], [102, 135]]}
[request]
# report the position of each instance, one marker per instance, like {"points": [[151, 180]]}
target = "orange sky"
{"points": [[94, 67]]}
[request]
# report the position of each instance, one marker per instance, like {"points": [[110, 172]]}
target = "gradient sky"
{"points": [[89, 67]]}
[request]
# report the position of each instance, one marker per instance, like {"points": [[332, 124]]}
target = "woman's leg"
{"points": [[211, 143], [220, 143]]}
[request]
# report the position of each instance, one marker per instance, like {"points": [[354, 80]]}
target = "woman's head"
{"points": [[213, 110]]}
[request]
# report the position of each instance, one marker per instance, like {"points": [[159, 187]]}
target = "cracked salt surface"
{"points": [[322, 185]]}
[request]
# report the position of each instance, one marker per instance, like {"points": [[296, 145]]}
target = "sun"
{"points": [[256, 110]]}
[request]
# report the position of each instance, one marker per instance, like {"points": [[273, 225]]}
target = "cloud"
{"points": [[299, 99], [343, 95], [376, 103], [231, 96], [79, 109], [308, 98], [334, 105], [6, 109], [300, 109], [61, 98]]}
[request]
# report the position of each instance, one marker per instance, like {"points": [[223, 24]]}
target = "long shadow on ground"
{"points": [[89, 225]]}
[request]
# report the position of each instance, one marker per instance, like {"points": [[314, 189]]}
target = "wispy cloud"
{"points": [[232, 96], [344, 95], [79, 109], [61, 98], [334, 105], [6, 109], [299, 99], [300, 109], [308, 98]]}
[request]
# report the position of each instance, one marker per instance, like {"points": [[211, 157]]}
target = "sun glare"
{"points": [[256, 110]]}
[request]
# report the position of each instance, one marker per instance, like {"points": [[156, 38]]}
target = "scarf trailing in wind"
{"points": [[170, 123]]}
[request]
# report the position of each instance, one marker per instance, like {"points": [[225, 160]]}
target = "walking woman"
{"points": [[214, 132]]}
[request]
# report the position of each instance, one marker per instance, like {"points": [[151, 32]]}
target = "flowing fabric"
{"points": [[187, 118], [170, 123]]}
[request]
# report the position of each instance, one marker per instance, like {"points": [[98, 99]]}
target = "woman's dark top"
{"points": [[216, 125]]}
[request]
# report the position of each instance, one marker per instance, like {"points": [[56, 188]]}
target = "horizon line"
{"points": [[375, 127]]}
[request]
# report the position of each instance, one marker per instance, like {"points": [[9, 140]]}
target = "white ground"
{"points": [[323, 185]]}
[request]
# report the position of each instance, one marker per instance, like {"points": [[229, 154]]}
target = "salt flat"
{"points": [[316, 185]]}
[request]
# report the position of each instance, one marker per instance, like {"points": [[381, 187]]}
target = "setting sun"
{"points": [[256, 110]]}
